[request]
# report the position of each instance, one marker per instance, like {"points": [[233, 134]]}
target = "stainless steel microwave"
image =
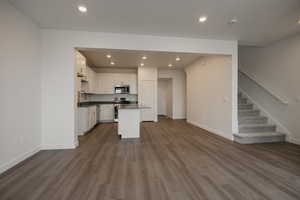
{"points": [[122, 89]]}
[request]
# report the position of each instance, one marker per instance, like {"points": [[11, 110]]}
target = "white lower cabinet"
{"points": [[87, 119], [107, 82], [106, 113], [89, 116]]}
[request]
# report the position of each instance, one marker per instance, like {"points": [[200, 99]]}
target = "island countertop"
{"points": [[129, 119], [92, 103], [132, 106]]}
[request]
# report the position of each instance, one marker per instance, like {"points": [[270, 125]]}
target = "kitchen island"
{"points": [[90, 113], [129, 120]]}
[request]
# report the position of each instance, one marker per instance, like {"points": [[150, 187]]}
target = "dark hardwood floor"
{"points": [[172, 161]]}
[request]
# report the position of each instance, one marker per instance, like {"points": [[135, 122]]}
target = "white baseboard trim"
{"points": [[179, 118], [172, 117], [76, 143], [4, 167], [58, 146], [211, 130], [293, 140]]}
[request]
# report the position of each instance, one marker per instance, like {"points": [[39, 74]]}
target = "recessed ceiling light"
{"points": [[233, 21], [177, 59], [112, 63], [170, 65], [108, 56], [202, 19], [144, 57], [82, 8], [142, 64]]}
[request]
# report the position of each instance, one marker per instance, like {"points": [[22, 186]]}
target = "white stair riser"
{"points": [[254, 140], [249, 113], [242, 100], [245, 106], [261, 129], [258, 120]]}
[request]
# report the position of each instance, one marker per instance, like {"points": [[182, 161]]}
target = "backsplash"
{"points": [[110, 97]]}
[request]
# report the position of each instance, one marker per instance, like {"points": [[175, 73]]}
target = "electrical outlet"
{"points": [[225, 99]]}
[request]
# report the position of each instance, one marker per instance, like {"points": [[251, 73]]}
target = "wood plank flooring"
{"points": [[173, 160]]}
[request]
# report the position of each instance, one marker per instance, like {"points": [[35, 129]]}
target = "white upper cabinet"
{"points": [[133, 83], [101, 83], [80, 62], [108, 81], [92, 81], [85, 75], [105, 83]]}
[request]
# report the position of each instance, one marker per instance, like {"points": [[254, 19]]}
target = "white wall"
{"points": [[209, 100], [58, 100], [276, 67], [178, 91], [20, 86]]}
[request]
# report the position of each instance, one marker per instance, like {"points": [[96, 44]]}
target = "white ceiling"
{"points": [[132, 59], [260, 21]]}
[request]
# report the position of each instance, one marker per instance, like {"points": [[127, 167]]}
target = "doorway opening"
{"points": [[165, 97]]}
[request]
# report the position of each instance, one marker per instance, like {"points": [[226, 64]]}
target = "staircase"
{"points": [[253, 127]]}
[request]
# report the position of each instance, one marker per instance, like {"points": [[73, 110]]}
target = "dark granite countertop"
{"points": [[93, 103], [133, 106]]}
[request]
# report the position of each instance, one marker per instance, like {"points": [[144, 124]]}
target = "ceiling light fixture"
{"points": [[170, 65], [299, 21], [144, 57], [233, 21], [202, 19], [108, 56], [82, 8], [112, 63], [177, 59], [142, 64]]}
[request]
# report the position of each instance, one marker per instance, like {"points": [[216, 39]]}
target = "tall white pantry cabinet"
{"points": [[147, 90]]}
